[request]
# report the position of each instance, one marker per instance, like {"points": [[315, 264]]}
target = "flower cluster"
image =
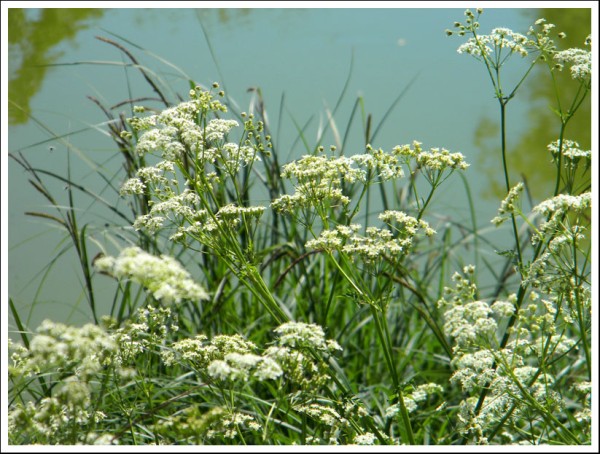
{"points": [[174, 129], [302, 335], [204, 226], [541, 40], [508, 205], [503, 42], [328, 418], [163, 276], [199, 426], [493, 46], [512, 383], [440, 159], [570, 151], [320, 178], [56, 347], [176, 208], [580, 61], [412, 400], [512, 390], [70, 360], [197, 161], [555, 209], [365, 439], [64, 418], [146, 331], [234, 359], [563, 203], [376, 243]]}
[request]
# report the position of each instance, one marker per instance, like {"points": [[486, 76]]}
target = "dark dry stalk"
{"points": [[135, 62]]}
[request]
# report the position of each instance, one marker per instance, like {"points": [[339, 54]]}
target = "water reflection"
{"points": [[528, 154], [32, 38], [224, 15]]}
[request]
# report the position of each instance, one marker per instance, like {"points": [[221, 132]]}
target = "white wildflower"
{"points": [[133, 186], [163, 276], [365, 439], [580, 61], [570, 151], [508, 205], [297, 334], [562, 203]]}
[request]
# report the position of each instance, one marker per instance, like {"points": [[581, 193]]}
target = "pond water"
{"points": [[300, 59]]}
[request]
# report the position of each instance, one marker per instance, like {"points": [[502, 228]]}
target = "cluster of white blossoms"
{"points": [[437, 159], [507, 374], [365, 439], [570, 152], [433, 159], [235, 359], [556, 208], [507, 400], [70, 360], [150, 177], [204, 226], [176, 208], [319, 182], [328, 418], [304, 335], [412, 400], [224, 357], [498, 41], [319, 179], [59, 347], [580, 61], [56, 418], [197, 159], [503, 42], [468, 321], [198, 425], [231, 424], [508, 205], [163, 276], [176, 131], [333, 420], [564, 203], [160, 132], [199, 352], [148, 328], [584, 388], [376, 243]]}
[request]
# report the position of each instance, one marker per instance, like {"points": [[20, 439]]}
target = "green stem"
{"points": [[506, 176], [383, 334], [384, 338]]}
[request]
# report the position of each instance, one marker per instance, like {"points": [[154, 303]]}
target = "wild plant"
{"points": [[259, 303]]}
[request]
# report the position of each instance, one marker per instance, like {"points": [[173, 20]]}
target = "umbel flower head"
{"points": [[163, 276], [580, 61], [509, 204], [320, 179], [393, 242]]}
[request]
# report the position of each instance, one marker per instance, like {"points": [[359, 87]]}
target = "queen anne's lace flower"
{"points": [[563, 203], [498, 41], [580, 61], [570, 152], [376, 243], [508, 205], [163, 276]]}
